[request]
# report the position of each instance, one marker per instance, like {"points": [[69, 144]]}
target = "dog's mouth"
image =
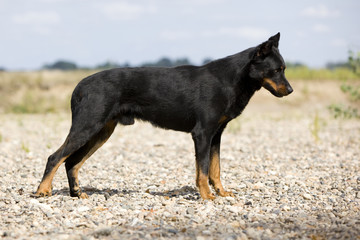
{"points": [[280, 90]]}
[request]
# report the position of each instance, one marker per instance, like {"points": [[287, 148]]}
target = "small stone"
{"points": [[248, 203], [234, 209], [102, 232], [286, 208], [206, 232], [307, 196], [230, 199], [253, 233], [190, 211], [241, 186], [258, 186], [358, 195], [83, 209]]}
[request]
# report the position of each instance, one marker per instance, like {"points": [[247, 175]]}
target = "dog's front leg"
{"points": [[202, 143], [214, 172]]}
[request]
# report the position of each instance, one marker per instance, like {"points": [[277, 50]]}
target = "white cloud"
{"points": [[37, 18], [321, 28], [250, 33], [320, 11], [126, 11], [52, 1], [339, 42], [204, 2], [39, 22], [175, 35]]}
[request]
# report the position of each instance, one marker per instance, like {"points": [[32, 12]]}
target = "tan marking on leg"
{"points": [[197, 174], [202, 183], [108, 130], [214, 176], [44, 188]]}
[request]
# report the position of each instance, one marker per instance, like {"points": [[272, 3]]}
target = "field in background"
{"points": [[50, 91]]}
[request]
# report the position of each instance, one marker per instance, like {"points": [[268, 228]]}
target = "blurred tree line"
{"points": [[67, 65], [162, 62], [167, 62]]}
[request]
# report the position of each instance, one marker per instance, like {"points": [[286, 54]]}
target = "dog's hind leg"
{"points": [[214, 171], [81, 132], [77, 159], [53, 163]]}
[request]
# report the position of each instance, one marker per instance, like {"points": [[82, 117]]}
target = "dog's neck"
{"points": [[233, 71]]}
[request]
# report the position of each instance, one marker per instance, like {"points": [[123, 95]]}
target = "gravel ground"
{"points": [[141, 183]]}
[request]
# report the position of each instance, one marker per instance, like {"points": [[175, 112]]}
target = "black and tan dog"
{"points": [[198, 100]]}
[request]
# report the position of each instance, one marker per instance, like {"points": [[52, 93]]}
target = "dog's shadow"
{"points": [[187, 192]]}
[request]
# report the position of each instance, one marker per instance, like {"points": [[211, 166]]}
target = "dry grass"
{"points": [[38, 92], [50, 91]]}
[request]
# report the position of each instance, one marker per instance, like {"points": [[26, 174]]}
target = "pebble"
{"points": [[141, 183], [307, 196]]}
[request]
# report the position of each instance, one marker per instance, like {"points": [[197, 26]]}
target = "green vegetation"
{"points": [[305, 73], [352, 90], [342, 111], [317, 124], [24, 147]]}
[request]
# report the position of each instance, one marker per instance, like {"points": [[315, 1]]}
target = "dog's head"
{"points": [[268, 67]]}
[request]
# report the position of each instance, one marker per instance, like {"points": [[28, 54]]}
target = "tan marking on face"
{"points": [[271, 83], [223, 119], [282, 89]]}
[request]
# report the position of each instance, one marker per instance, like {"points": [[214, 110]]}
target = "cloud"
{"points": [[38, 22], [321, 28], [126, 11], [250, 33], [320, 11], [52, 1], [339, 42], [37, 18], [176, 35]]}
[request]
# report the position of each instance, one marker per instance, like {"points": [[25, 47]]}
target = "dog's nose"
{"points": [[289, 89]]}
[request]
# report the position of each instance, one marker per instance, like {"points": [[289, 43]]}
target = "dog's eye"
{"points": [[279, 70]]}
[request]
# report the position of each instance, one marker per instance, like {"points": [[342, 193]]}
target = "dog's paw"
{"points": [[83, 196], [226, 194], [208, 196], [40, 194]]}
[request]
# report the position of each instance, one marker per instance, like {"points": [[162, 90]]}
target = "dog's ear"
{"points": [[265, 48], [275, 39]]}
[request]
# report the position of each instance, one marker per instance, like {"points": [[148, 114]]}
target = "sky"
{"points": [[91, 32]]}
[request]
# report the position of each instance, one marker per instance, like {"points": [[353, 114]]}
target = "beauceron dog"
{"points": [[200, 100]]}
